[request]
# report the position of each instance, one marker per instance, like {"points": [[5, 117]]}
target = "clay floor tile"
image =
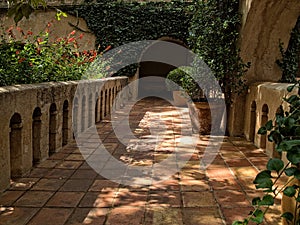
{"points": [[51, 216]]}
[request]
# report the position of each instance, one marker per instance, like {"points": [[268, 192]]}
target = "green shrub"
{"points": [[35, 59]]}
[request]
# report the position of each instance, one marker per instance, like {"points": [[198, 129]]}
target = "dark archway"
{"points": [[36, 135], [83, 113], [16, 145], [90, 110], [252, 121], [75, 117], [52, 128], [157, 69], [65, 124], [264, 120]]}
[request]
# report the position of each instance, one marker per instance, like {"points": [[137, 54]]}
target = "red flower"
{"points": [[21, 60], [73, 32], [17, 52], [81, 36], [71, 39], [9, 30], [49, 24], [39, 40], [19, 29], [29, 32], [85, 52], [107, 48]]}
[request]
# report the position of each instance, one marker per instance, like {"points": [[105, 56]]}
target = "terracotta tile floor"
{"points": [[66, 190]]}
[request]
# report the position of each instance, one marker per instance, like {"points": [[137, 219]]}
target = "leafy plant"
{"points": [[214, 31], [289, 63], [174, 79], [19, 8], [36, 59], [284, 131], [117, 23]]}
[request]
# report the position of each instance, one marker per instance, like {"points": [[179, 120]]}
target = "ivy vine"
{"points": [[117, 23], [289, 63], [214, 32]]}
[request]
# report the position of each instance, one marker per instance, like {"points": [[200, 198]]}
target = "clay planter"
{"points": [[179, 99], [200, 113]]}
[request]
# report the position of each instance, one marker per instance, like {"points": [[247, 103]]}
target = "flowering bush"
{"points": [[35, 59]]}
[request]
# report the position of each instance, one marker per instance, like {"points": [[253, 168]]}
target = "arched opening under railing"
{"points": [[252, 121], [16, 145], [65, 123], [52, 128], [264, 120], [36, 135]]}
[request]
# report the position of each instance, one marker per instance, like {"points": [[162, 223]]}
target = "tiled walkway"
{"points": [[65, 190]]}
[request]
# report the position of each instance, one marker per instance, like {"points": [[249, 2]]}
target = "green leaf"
{"points": [[26, 10], [262, 130], [259, 216], [275, 164], [288, 216], [256, 201], [290, 88], [290, 171], [289, 191], [267, 200], [294, 156], [269, 125], [289, 144], [275, 136], [18, 16], [292, 98], [263, 180], [240, 223]]}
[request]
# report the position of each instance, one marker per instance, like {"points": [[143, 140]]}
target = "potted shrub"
{"points": [[205, 102], [213, 35], [202, 101], [174, 84]]}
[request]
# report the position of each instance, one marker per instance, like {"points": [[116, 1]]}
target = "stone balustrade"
{"points": [[262, 102], [36, 119]]}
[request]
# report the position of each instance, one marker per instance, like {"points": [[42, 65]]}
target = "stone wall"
{"points": [[36, 120]]}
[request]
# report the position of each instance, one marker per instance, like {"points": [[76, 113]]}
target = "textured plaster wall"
{"points": [[264, 23], [38, 21]]}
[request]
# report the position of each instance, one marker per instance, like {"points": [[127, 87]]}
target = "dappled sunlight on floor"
{"points": [[160, 177]]}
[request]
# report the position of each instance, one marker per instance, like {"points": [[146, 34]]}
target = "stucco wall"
{"points": [[38, 21], [265, 22]]}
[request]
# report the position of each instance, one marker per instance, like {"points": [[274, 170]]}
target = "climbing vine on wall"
{"points": [[118, 23], [289, 63]]}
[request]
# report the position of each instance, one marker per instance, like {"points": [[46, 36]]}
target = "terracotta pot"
{"points": [[179, 99], [200, 113]]}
